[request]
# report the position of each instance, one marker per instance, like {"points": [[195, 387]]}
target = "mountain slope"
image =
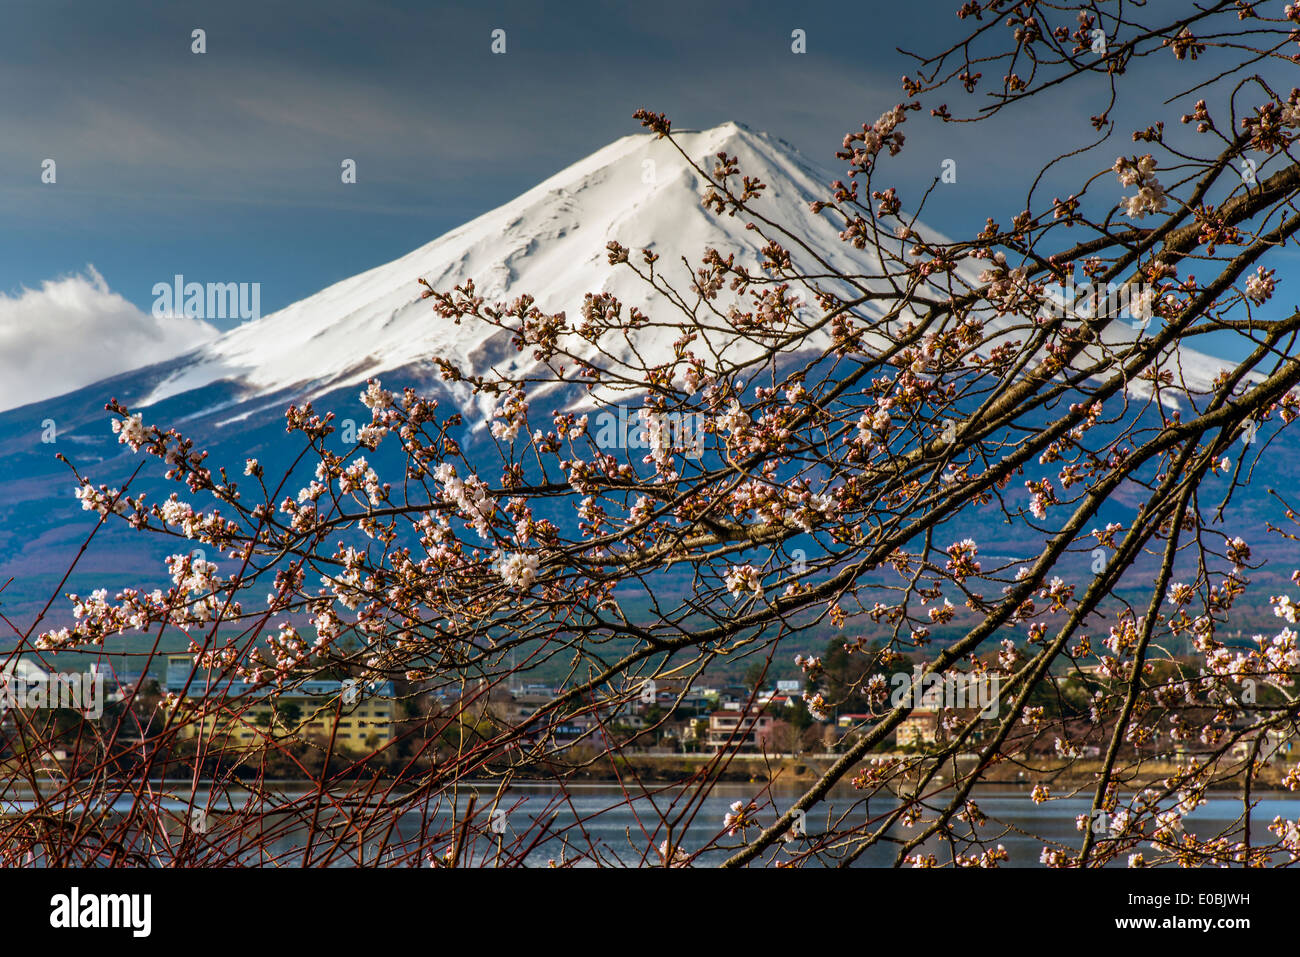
{"points": [[229, 395], [550, 242]]}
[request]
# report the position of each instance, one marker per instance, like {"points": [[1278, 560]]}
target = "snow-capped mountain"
{"points": [[550, 242], [230, 393]]}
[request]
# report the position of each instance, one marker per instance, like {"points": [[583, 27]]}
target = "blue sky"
{"points": [[225, 166]]}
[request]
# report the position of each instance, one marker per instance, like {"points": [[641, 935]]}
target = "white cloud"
{"points": [[74, 331]]}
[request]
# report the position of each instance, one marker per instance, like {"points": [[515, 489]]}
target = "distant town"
{"points": [[222, 722]]}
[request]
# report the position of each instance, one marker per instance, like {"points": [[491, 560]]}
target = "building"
{"points": [[920, 727], [237, 714], [854, 719], [744, 730], [1265, 744]]}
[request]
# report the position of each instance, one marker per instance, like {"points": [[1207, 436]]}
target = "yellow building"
{"points": [[234, 713], [918, 729]]}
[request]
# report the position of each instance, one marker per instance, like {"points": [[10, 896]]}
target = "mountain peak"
{"points": [[549, 242]]}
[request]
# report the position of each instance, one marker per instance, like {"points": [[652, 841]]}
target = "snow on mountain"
{"points": [[549, 242], [229, 393]]}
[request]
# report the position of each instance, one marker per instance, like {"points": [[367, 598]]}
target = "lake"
{"points": [[590, 824]]}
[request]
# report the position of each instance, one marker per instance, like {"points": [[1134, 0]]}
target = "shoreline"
{"points": [[677, 769]]}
